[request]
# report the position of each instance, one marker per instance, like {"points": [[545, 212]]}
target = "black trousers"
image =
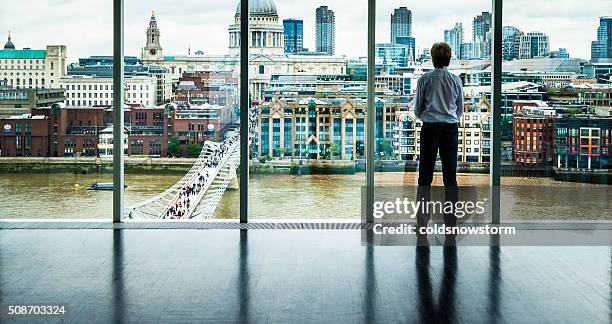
{"points": [[442, 138]]}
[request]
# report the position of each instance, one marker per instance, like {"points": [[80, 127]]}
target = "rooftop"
{"points": [[23, 54], [27, 116], [260, 7]]}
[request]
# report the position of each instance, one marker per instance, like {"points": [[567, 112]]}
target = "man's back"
{"points": [[439, 104], [439, 97]]}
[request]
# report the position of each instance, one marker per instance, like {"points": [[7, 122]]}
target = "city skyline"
{"points": [[568, 24]]}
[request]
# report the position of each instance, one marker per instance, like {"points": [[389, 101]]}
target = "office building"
{"points": [[410, 42], [91, 91], [481, 34], [30, 68], [321, 129], [509, 42], [325, 30], [401, 24], [22, 101], [533, 45], [560, 53], [468, 51], [474, 132], [583, 141], [592, 95], [454, 38], [394, 53], [602, 47], [294, 35], [600, 71], [102, 67]]}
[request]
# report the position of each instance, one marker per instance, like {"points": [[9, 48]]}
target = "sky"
{"points": [[85, 26]]}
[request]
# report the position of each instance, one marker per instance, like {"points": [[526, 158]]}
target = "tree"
{"points": [[386, 147], [193, 150], [281, 152], [334, 149], [174, 147]]}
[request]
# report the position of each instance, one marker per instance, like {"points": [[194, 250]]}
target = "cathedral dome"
{"points": [[9, 45], [260, 8]]}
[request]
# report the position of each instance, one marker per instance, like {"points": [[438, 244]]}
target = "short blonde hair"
{"points": [[441, 54]]}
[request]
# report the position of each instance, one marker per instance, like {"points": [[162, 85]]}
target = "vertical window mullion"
{"points": [[245, 107], [370, 113], [118, 174], [496, 88]]}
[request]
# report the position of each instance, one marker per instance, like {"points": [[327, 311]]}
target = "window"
{"points": [[562, 144], [295, 123], [309, 111]]}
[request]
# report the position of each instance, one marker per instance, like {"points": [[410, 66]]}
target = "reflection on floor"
{"points": [[284, 276]]}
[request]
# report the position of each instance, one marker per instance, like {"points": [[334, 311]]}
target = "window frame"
{"points": [[118, 110]]}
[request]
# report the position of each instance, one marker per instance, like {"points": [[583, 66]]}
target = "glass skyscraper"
{"points": [[394, 53], [401, 23], [409, 42], [602, 47], [454, 38], [326, 30], [294, 35], [509, 34], [481, 34]]}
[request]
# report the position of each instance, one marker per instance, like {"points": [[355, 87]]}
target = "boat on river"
{"points": [[103, 186]]}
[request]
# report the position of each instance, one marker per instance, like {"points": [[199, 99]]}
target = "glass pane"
{"points": [[404, 39], [182, 113], [308, 154], [556, 132], [51, 118]]}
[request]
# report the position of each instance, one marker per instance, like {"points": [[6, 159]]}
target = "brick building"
{"points": [[215, 88], [24, 135], [533, 124], [80, 131], [196, 124]]}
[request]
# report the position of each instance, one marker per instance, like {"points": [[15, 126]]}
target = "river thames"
{"points": [[53, 195]]}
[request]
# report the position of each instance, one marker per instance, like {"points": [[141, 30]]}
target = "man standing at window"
{"points": [[439, 105]]}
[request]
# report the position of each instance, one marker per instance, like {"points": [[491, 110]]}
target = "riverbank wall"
{"points": [[181, 165], [584, 176], [88, 165], [350, 167]]}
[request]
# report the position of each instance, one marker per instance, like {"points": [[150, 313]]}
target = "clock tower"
{"points": [[152, 51]]}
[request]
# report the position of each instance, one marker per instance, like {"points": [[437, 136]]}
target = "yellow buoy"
{"points": [[76, 186]]}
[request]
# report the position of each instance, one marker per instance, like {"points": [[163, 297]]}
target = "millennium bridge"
{"points": [[197, 194]]}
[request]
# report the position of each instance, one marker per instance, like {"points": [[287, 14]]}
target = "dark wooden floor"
{"points": [[295, 276]]}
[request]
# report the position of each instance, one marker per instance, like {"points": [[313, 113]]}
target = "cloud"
{"points": [[85, 26]]}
